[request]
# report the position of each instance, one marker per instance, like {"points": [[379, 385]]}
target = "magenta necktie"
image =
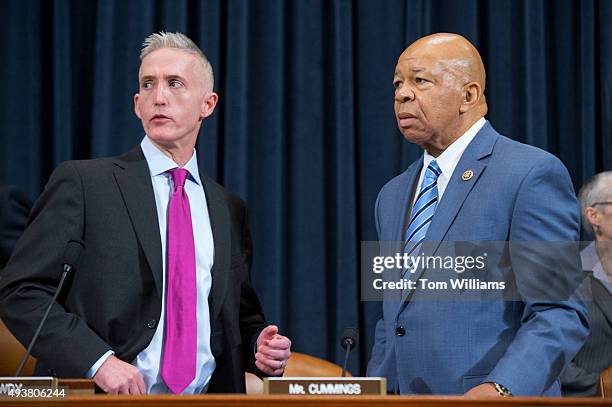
{"points": [[179, 355]]}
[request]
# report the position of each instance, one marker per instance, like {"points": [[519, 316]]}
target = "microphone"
{"points": [[348, 342], [72, 254]]}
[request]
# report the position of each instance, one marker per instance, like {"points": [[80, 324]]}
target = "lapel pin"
{"points": [[467, 175]]}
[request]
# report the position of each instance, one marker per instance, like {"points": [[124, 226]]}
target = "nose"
{"points": [[160, 96], [404, 94]]}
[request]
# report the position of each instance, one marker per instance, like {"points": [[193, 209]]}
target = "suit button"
{"points": [[151, 323], [400, 331]]}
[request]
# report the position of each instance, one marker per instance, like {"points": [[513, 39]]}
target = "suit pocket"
{"points": [[471, 381]]}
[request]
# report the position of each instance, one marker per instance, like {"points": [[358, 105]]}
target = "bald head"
{"points": [[439, 90], [453, 54]]}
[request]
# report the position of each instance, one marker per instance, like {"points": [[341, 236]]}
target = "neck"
{"points": [[177, 153], [450, 138], [468, 122]]}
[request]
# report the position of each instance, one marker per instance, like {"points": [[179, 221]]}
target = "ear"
{"points": [[136, 106], [592, 216], [208, 105], [470, 96]]}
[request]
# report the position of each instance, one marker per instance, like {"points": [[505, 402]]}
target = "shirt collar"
{"points": [[590, 261], [589, 257], [159, 163], [448, 160]]}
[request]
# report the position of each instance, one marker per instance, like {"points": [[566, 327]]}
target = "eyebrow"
{"points": [[415, 69], [166, 77]]}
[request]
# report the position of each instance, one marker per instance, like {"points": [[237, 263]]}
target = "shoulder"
{"points": [[539, 189], [519, 157], [95, 169], [522, 161], [537, 171], [86, 166]]}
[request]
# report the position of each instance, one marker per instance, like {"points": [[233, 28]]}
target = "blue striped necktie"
{"points": [[424, 208]]}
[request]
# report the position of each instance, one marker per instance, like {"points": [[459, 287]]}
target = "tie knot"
{"points": [[433, 170], [179, 175]]}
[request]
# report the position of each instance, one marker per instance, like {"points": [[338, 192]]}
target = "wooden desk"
{"points": [[78, 387], [301, 401]]}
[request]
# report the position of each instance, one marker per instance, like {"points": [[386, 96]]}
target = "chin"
{"points": [[171, 139], [162, 137], [412, 136]]}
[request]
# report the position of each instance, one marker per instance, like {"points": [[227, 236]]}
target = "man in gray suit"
{"points": [[580, 378]]}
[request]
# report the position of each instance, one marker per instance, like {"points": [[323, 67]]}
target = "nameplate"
{"points": [[327, 386], [10, 385]]}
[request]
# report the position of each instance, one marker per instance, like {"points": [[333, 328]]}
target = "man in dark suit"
{"points": [[161, 300], [581, 376], [474, 185], [14, 210]]}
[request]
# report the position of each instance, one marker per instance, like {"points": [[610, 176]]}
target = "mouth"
{"points": [[405, 119], [160, 118]]}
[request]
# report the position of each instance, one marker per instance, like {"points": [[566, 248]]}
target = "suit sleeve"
{"points": [[66, 343], [252, 320], [553, 324], [13, 218]]}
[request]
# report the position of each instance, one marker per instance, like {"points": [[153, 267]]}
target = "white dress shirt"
{"points": [[149, 360]]}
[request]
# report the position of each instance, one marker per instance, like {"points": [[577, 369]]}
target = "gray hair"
{"points": [[596, 189], [180, 41]]}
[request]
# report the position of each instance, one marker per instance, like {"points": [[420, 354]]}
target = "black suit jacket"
{"points": [[113, 301], [14, 209], [581, 376]]}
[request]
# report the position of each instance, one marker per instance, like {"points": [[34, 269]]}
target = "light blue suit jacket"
{"points": [[517, 193]]}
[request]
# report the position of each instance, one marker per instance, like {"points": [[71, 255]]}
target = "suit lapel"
{"points": [[220, 224], [134, 180], [455, 195], [601, 296]]}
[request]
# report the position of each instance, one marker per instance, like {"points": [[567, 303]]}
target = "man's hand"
{"points": [[117, 377], [273, 351], [484, 390]]}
